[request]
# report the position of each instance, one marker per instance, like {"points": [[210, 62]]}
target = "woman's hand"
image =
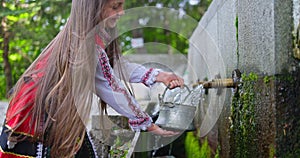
{"points": [[159, 131], [170, 79]]}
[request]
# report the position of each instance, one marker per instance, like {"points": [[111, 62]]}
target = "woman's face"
{"points": [[113, 10]]}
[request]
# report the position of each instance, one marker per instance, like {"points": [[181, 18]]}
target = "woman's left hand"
{"points": [[159, 131], [170, 79]]}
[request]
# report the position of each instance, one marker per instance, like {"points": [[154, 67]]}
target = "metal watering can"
{"points": [[178, 106], [176, 112]]}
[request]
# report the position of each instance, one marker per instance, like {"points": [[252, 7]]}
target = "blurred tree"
{"points": [[27, 26], [5, 52], [193, 9]]}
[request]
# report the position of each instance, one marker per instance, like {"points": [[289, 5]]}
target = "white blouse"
{"points": [[111, 90]]}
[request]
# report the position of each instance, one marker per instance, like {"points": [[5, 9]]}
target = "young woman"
{"points": [[51, 102]]}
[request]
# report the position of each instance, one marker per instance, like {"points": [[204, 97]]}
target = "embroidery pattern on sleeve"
{"points": [[114, 85], [146, 77]]}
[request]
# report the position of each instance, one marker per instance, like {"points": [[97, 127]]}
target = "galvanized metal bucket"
{"points": [[174, 114]]}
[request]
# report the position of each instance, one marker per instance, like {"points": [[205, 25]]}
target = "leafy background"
{"points": [[27, 26]]}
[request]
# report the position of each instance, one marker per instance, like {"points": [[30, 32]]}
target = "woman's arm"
{"points": [[137, 73], [111, 90]]}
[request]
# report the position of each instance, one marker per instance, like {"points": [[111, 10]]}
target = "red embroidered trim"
{"points": [[138, 121], [146, 76], [99, 42], [114, 85]]}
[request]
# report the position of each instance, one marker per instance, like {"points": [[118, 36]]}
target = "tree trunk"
{"points": [[5, 46]]}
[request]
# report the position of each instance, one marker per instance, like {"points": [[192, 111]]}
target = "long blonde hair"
{"points": [[64, 94]]}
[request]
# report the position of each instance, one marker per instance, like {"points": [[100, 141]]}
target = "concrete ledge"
{"points": [[3, 108]]}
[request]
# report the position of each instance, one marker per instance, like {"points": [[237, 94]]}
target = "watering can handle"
{"points": [[161, 97]]}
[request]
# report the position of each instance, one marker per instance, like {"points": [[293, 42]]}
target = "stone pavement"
{"points": [[3, 107]]}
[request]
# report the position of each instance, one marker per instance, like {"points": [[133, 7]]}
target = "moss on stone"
{"points": [[243, 120]]}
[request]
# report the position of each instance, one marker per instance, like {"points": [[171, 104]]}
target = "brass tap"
{"points": [[219, 83], [297, 43]]}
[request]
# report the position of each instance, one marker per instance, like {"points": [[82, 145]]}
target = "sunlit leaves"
{"points": [[175, 18], [15, 57], [31, 26]]}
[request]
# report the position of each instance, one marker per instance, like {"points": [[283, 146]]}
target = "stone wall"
{"points": [[256, 37], [213, 45], [212, 51], [296, 13], [250, 35]]}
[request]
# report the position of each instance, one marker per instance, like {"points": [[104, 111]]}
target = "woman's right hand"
{"points": [[170, 79], [159, 131]]}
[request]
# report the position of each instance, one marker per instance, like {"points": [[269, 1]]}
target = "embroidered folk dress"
{"points": [[108, 87]]}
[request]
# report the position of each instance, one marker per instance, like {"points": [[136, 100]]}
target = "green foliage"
{"points": [[33, 24], [194, 149], [2, 85], [243, 122], [117, 150], [166, 38], [161, 35], [218, 152]]}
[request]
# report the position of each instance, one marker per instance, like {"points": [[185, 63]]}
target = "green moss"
{"points": [[266, 79], [271, 151], [243, 123]]}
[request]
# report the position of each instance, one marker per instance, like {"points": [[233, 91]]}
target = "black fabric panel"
{"points": [[25, 147]]}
